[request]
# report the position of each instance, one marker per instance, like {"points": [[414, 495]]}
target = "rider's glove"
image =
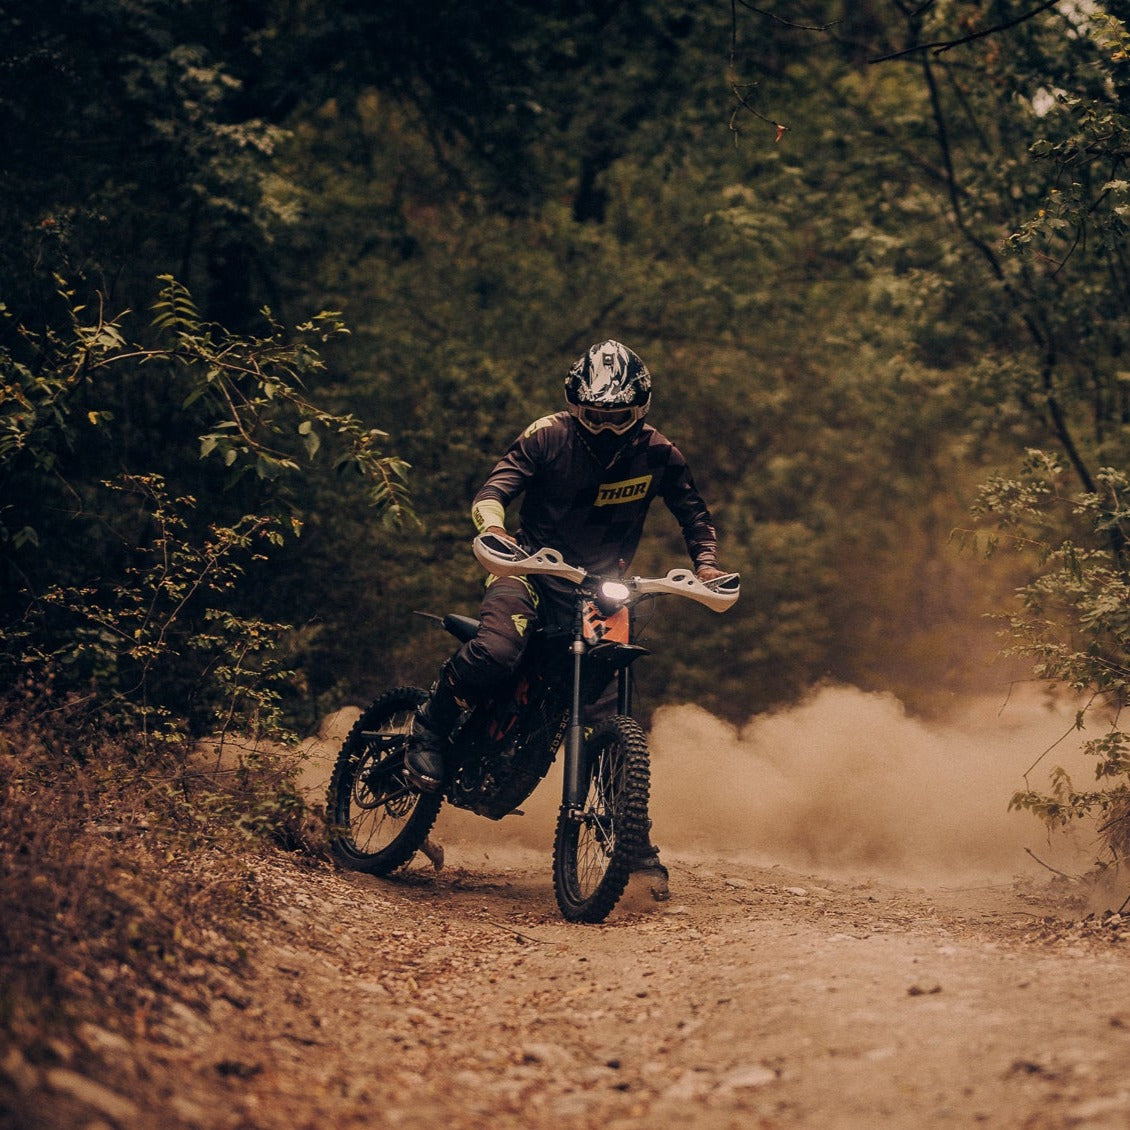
{"points": [[709, 573], [500, 532]]}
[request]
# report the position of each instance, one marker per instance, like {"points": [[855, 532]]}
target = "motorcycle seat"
{"points": [[463, 628]]}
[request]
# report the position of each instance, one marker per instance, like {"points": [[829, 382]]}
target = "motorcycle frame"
{"points": [[503, 557]]}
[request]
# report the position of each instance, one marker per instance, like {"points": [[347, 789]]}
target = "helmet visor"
{"points": [[608, 419]]}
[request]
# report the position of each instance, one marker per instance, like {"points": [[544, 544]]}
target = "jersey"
{"points": [[590, 508]]}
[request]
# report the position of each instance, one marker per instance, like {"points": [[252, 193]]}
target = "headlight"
{"points": [[614, 590], [612, 595]]}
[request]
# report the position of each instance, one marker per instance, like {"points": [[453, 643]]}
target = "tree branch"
{"points": [[940, 46], [782, 21]]}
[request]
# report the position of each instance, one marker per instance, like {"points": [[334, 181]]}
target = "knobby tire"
{"points": [[594, 849], [376, 821]]}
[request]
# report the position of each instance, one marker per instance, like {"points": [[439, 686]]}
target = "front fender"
{"points": [[616, 656], [603, 661]]}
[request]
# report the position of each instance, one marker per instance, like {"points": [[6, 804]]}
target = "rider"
{"points": [[588, 476]]}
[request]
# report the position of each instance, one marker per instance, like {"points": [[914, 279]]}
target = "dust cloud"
{"points": [[847, 782]]}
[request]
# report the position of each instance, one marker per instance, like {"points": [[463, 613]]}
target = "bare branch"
{"points": [[941, 46], [737, 88], [786, 23]]}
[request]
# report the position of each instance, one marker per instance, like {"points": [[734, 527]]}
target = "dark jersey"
{"points": [[592, 510]]}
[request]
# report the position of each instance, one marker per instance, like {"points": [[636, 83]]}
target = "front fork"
{"points": [[576, 765]]}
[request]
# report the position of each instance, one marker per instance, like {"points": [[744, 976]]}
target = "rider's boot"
{"points": [[431, 730], [647, 864]]}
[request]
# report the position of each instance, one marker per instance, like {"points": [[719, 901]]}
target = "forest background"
{"points": [[280, 281]]}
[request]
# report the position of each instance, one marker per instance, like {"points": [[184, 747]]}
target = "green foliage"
{"points": [[254, 388], [836, 463], [141, 147], [850, 322], [129, 595], [1074, 621], [126, 638]]}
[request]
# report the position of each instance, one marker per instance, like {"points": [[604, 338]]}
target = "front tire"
{"points": [[376, 821], [595, 847]]}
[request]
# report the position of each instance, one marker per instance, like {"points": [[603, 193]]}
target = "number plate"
{"points": [[614, 628]]}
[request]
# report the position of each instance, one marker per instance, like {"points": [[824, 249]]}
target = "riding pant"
{"points": [[508, 616]]}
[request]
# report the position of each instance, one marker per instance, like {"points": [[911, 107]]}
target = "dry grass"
{"points": [[119, 872]]}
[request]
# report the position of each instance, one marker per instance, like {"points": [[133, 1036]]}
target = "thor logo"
{"points": [[630, 490]]}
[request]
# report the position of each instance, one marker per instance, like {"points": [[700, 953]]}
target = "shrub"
{"points": [[1074, 623], [148, 478]]}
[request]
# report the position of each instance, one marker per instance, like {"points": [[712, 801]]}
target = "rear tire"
{"points": [[594, 848], [376, 821]]}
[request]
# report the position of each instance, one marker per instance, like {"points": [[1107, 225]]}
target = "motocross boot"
{"points": [[431, 731], [646, 863]]}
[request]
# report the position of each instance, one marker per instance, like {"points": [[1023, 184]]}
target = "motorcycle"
{"points": [[504, 745]]}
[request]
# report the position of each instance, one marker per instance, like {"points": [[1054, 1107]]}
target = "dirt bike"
{"points": [[503, 746]]}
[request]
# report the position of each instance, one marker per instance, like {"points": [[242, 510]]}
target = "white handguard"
{"points": [[505, 559], [717, 595]]}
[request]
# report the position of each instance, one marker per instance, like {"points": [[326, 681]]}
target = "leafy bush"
{"points": [[147, 479], [1074, 623]]}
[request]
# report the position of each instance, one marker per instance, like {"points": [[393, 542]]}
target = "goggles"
{"points": [[617, 420]]}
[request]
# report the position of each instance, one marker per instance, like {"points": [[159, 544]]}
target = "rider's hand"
{"points": [[499, 532], [709, 573]]}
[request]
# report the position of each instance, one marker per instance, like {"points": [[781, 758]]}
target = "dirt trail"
{"points": [[756, 997], [768, 992]]}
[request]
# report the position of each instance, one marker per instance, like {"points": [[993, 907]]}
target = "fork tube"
{"points": [[574, 737], [624, 691], [624, 675]]}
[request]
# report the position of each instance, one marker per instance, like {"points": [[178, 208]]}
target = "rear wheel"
{"points": [[595, 847], [376, 820]]}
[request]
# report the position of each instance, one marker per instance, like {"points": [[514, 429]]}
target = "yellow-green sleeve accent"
{"points": [[489, 512], [537, 425]]}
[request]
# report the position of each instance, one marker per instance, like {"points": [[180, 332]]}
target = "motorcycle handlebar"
{"points": [[506, 559]]}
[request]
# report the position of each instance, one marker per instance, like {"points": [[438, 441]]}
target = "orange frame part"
{"points": [[615, 628]]}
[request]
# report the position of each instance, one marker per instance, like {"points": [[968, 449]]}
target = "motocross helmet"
{"points": [[608, 389]]}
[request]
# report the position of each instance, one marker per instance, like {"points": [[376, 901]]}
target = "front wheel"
{"points": [[596, 845], [376, 820]]}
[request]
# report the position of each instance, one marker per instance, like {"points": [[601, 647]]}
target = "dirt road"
{"points": [[755, 997], [766, 993]]}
